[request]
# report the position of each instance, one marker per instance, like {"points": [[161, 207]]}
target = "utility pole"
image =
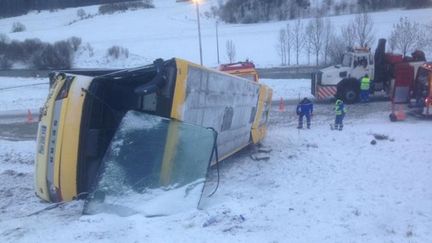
{"points": [[217, 41], [199, 30]]}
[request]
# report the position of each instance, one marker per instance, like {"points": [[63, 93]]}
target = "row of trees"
{"points": [[318, 38], [18, 7], [252, 11], [37, 54], [382, 4]]}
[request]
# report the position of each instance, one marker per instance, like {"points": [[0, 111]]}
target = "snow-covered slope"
{"points": [[170, 30]]}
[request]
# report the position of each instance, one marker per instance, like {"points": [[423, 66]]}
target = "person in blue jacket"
{"points": [[304, 108], [340, 111]]}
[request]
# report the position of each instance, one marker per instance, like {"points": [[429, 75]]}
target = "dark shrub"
{"points": [[5, 63], [74, 42], [57, 56], [117, 51], [81, 13], [124, 6], [18, 27], [29, 47], [15, 51]]}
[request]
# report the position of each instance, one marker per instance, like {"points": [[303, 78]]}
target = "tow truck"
{"points": [[343, 80], [242, 69]]}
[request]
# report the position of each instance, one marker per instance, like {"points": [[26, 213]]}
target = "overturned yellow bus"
{"points": [[84, 110]]}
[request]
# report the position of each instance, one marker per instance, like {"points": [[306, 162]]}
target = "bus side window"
{"points": [[227, 118]]}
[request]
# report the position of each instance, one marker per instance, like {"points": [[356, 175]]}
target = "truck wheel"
{"points": [[350, 94], [393, 117]]}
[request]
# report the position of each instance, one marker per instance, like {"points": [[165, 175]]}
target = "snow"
{"points": [[318, 186], [170, 30], [22, 93], [291, 89]]}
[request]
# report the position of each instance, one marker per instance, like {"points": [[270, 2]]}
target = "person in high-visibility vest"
{"points": [[340, 111], [364, 88]]}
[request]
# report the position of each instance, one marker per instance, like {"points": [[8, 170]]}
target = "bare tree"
{"points": [[299, 38], [315, 31], [4, 38], [348, 35], [281, 46], [392, 43], [290, 37], [328, 35], [364, 29], [406, 36], [308, 47], [428, 36], [336, 49], [230, 51], [81, 13]]}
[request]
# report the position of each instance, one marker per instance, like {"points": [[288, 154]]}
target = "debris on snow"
{"points": [[380, 136]]}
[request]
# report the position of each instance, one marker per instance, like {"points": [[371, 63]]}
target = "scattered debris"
{"points": [[260, 156], [211, 221], [261, 153], [311, 145], [264, 150], [231, 229], [380, 136], [409, 232], [356, 212]]}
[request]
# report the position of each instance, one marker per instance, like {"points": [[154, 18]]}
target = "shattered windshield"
{"points": [[153, 166]]}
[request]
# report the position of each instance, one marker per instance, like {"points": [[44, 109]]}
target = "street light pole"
{"points": [[199, 31], [217, 41]]}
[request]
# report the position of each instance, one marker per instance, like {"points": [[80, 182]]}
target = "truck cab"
{"points": [[343, 80]]}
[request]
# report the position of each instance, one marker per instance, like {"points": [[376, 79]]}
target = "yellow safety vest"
{"points": [[365, 84]]}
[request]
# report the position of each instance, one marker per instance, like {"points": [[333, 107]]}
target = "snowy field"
{"points": [[21, 94], [318, 186], [170, 30]]}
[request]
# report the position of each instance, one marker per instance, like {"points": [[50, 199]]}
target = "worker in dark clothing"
{"points": [[340, 111], [304, 108], [364, 88]]}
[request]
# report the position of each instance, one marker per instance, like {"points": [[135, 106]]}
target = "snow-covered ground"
{"points": [[21, 94], [289, 89], [170, 30], [318, 186]]}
